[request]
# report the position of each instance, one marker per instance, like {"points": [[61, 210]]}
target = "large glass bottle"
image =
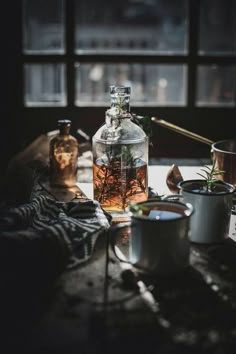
{"points": [[120, 157], [63, 156]]}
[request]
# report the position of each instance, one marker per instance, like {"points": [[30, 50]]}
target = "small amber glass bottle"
{"points": [[63, 156]]}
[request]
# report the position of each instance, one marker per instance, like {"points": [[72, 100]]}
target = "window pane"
{"points": [[131, 27], [163, 85], [217, 27], [45, 85], [216, 85], [43, 27]]}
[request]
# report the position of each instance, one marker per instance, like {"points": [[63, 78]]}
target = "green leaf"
{"points": [[207, 167], [204, 177], [144, 122], [210, 175]]}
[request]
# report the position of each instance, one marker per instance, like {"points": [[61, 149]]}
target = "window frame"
{"points": [[177, 114]]}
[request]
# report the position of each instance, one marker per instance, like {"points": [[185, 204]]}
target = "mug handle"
{"points": [[117, 252]]}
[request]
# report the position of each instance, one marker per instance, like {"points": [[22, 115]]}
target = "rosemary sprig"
{"points": [[210, 174], [120, 104]]}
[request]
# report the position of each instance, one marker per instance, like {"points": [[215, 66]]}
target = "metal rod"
{"points": [[182, 131]]}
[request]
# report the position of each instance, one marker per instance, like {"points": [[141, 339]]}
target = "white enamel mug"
{"points": [[159, 236]]}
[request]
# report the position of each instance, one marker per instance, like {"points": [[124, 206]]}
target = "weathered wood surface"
{"points": [[91, 309]]}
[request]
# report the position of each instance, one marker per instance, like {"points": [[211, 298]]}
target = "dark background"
{"points": [[10, 110]]}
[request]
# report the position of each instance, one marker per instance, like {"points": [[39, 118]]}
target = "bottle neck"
{"points": [[121, 103], [64, 130], [120, 99], [64, 126]]}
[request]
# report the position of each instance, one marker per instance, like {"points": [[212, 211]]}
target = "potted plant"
{"points": [[212, 200]]}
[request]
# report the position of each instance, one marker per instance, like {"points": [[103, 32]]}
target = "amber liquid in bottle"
{"points": [[116, 186], [120, 158], [63, 155]]}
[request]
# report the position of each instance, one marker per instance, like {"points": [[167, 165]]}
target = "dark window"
{"points": [[178, 56]]}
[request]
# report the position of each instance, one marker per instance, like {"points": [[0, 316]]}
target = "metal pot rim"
{"points": [[214, 146]]}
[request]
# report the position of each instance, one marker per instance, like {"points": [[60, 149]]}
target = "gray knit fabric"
{"points": [[78, 223]]}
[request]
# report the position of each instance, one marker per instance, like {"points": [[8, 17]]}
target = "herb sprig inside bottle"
{"points": [[120, 151]]}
